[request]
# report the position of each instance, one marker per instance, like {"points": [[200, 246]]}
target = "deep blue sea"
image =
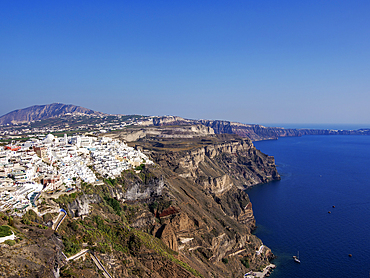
{"points": [[317, 172]]}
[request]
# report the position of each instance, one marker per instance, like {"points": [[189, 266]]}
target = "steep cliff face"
{"points": [[252, 131], [181, 131], [218, 166], [208, 216], [81, 206], [185, 216], [167, 120], [37, 252]]}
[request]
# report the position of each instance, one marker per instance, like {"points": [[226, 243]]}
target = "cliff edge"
{"points": [[185, 216]]}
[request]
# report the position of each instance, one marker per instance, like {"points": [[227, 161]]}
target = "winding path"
{"points": [[61, 212], [79, 254], [82, 252], [100, 265]]}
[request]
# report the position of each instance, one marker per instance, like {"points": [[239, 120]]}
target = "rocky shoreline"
{"points": [[265, 273]]}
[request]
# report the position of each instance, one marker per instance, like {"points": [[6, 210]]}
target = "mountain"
{"points": [[254, 132], [41, 112]]}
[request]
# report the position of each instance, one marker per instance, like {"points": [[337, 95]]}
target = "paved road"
{"points": [[82, 252], [100, 266], [62, 211]]}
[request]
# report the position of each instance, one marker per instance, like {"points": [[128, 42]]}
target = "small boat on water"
{"points": [[296, 258]]}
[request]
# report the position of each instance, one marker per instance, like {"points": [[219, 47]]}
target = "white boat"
{"points": [[296, 258]]}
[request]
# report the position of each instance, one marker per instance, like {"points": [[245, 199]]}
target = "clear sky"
{"points": [[250, 61]]}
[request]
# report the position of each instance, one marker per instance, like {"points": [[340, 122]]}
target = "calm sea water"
{"points": [[317, 172], [322, 126]]}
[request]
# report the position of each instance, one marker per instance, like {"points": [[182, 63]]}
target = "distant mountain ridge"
{"points": [[254, 132], [41, 112]]}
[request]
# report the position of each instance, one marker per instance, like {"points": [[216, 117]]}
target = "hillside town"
{"points": [[68, 123], [53, 165]]}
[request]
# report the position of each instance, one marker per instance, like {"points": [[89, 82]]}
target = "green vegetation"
{"points": [[145, 176], [10, 221], [10, 242], [5, 231], [114, 204], [105, 235], [67, 272], [140, 167], [159, 205], [65, 199], [245, 262], [134, 244], [225, 260], [71, 246], [111, 182], [47, 217], [42, 226], [73, 225], [157, 245], [153, 206], [96, 230], [30, 216]]}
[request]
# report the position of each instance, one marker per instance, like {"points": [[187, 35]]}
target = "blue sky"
{"points": [[247, 61]]}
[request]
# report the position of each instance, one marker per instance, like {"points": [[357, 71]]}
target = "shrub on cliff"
{"points": [[5, 231], [65, 199], [71, 246], [31, 216], [140, 167], [10, 242], [114, 204], [111, 182], [245, 262], [134, 244]]}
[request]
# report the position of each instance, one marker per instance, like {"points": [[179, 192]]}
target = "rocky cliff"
{"points": [[259, 132], [82, 205], [203, 212], [251, 131], [163, 131], [185, 216], [219, 163]]}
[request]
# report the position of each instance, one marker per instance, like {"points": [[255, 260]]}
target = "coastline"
{"points": [[265, 273], [316, 174]]}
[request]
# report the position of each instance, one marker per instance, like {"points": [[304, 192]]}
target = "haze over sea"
{"points": [[321, 126], [317, 172]]}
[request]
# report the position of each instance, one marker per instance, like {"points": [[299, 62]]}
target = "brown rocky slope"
{"points": [[185, 216]]}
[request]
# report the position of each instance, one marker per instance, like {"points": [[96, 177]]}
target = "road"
{"points": [[61, 217], [100, 266], [82, 252]]}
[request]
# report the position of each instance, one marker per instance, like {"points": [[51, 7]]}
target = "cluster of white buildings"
{"points": [[54, 164], [111, 157], [103, 125], [21, 197]]}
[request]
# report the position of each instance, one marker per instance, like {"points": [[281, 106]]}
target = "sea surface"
{"points": [[321, 126], [317, 173]]}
